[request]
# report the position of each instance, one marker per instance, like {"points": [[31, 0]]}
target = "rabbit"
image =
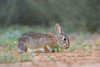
{"points": [[48, 41]]}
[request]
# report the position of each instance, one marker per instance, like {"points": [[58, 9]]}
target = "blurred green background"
{"points": [[79, 18], [73, 15]]}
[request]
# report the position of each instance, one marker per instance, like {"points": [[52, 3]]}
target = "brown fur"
{"points": [[40, 38]]}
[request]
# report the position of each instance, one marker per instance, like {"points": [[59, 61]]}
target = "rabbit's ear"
{"points": [[58, 29]]}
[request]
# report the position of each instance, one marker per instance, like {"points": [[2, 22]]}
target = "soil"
{"points": [[62, 59]]}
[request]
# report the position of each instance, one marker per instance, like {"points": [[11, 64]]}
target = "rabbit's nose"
{"points": [[67, 46]]}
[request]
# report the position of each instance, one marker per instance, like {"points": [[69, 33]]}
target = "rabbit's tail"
{"points": [[15, 42]]}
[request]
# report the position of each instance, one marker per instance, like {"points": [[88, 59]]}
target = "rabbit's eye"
{"points": [[64, 38]]}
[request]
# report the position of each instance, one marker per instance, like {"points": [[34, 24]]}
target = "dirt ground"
{"points": [[59, 60], [62, 59]]}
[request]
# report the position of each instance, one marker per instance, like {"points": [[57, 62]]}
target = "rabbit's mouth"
{"points": [[66, 46], [63, 45]]}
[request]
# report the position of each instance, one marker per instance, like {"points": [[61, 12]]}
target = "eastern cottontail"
{"points": [[35, 40]]}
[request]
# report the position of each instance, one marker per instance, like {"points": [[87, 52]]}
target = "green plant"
{"points": [[89, 51], [59, 49], [74, 47], [8, 57], [24, 57]]}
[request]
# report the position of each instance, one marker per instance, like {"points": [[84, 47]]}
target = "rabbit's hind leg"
{"points": [[21, 47], [48, 49]]}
